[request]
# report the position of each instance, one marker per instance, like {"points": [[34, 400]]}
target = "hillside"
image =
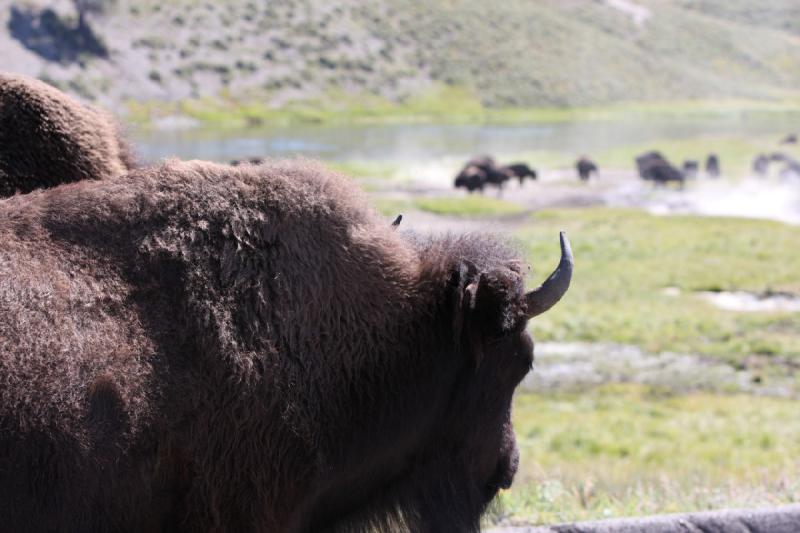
{"points": [[517, 53]]}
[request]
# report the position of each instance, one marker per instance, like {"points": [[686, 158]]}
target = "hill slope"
{"points": [[514, 53]]}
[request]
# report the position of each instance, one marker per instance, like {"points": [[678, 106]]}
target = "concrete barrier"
{"points": [[782, 519]]}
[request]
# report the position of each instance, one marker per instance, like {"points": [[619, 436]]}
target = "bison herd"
{"points": [[483, 171], [480, 172], [192, 346], [790, 166]]}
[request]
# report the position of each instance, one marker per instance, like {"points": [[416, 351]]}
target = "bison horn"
{"points": [[397, 221], [550, 292]]}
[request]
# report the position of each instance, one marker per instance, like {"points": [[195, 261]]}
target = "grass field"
{"points": [[472, 206], [627, 449], [440, 104], [623, 450], [626, 259], [468, 206]]}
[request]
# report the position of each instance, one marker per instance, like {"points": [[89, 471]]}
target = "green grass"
{"points": [[447, 105], [625, 259], [468, 206], [391, 207], [630, 450], [369, 170]]}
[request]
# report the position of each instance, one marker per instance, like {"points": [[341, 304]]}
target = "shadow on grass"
{"points": [[46, 34]]}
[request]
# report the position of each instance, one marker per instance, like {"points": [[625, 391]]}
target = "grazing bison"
{"points": [[521, 171], [690, 168], [761, 165], [791, 169], [200, 347], [472, 178], [585, 168], [654, 167], [712, 166], [48, 138], [789, 139], [495, 175]]}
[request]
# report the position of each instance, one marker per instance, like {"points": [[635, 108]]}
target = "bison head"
{"points": [[476, 438]]}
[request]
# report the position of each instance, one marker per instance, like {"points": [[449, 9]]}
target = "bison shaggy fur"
{"points": [[48, 138], [198, 347]]}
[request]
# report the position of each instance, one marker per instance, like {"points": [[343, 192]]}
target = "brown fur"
{"points": [[197, 347], [48, 138]]}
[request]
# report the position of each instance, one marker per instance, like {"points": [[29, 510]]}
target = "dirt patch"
{"points": [[752, 303], [577, 365]]}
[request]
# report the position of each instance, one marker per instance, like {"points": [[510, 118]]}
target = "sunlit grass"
{"points": [[625, 259], [473, 205], [438, 104], [367, 169], [631, 450], [391, 207]]}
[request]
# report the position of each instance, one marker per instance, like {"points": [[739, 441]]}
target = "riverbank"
{"points": [[437, 105]]}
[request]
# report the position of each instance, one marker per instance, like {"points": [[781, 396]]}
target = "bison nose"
{"points": [[504, 471]]}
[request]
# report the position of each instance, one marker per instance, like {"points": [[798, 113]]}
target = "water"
{"points": [[421, 142]]}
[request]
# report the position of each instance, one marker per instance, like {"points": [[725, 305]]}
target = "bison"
{"points": [[690, 168], [472, 178], [654, 167], [48, 138], [790, 170], [520, 171], [761, 165], [488, 170], [200, 347], [712, 166], [585, 167]]}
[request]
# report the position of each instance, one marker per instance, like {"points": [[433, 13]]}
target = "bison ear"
{"points": [[463, 295], [466, 330]]}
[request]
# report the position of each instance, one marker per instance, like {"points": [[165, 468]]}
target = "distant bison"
{"points": [[690, 168], [496, 175], [484, 171], [789, 139], [712, 166], [585, 168], [761, 165], [48, 138], [521, 171], [200, 347], [472, 178], [654, 167], [791, 169]]}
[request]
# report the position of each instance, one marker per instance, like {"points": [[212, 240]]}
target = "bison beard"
{"points": [[196, 347]]}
